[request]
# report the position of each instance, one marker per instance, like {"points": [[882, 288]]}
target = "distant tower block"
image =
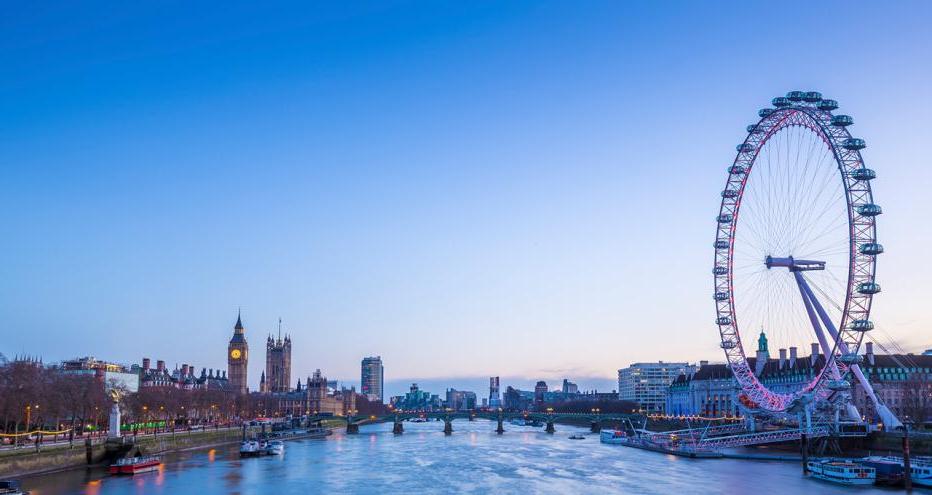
{"points": [[372, 378], [495, 399]]}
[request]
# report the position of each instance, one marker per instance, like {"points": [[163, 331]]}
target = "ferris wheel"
{"points": [[801, 261]]}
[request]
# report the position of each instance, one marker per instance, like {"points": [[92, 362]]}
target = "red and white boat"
{"points": [[133, 465]]}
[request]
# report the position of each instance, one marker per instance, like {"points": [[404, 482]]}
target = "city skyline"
{"points": [[335, 179]]}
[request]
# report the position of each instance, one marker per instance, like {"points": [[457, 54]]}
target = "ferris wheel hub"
{"points": [[793, 264]]}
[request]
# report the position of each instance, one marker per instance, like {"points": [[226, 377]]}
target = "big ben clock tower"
{"points": [[238, 357]]}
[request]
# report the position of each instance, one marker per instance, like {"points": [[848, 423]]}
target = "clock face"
{"points": [[235, 354]]}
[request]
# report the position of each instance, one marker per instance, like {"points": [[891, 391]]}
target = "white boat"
{"points": [[613, 437], [249, 448], [842, 472], [920, 470], [275, 447]]}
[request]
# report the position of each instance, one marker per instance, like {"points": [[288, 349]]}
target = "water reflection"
{"points": [[423, 459]]}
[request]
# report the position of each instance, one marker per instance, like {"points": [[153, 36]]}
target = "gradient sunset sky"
{"points": [[464, 188]]}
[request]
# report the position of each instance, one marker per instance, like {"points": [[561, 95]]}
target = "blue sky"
{"points": [[467, 189]]}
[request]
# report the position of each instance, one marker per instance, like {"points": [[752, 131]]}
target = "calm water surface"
{"points": [[473, 460]]}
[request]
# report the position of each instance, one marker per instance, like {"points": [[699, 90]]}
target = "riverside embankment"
{"points": [[26, 461]]}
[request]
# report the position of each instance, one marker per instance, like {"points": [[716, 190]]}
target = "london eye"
{"points": [[796, 249]]}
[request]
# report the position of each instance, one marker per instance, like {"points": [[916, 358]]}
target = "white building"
{"points": [[648, 383]]}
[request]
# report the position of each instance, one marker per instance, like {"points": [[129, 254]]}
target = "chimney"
{"points": [[792, 357], [782, 358], [145, 364], [703, 363], [869, 350], [160, 365], [814, 355]]}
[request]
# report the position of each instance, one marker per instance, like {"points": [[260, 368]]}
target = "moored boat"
{"points": [[889, 472], [275, 447], [842, 472], [920, 469], [11, 487], [134, 465], [249, 448], [613, 437]]}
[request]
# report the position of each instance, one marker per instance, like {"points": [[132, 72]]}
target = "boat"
{"points": [[134, 465], [11, 487], [613, 437], [318, 432], [418, 420], [920, 469], [249, 448], [526, 422], [889, 471], [577, 436], [275, 447], [842, 472]]}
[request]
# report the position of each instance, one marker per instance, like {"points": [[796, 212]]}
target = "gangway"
{"points": [[762, 437]]}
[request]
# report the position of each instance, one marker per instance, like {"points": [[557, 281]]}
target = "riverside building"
{"points": [[372, 379], [648, 383]]}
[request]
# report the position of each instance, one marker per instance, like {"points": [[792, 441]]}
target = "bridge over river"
{"points": [[595, 419]]}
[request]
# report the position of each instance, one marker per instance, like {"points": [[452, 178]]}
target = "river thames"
{"points": [[423, 460]]}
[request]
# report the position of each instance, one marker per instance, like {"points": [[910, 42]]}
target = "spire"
{"points": [[239, 320], [762, 342], [279, 328]]}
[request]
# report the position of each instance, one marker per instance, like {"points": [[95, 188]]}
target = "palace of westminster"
{"points": [[315, 396]]}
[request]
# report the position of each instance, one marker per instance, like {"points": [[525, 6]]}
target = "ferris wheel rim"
{"points": [[847, 158]]}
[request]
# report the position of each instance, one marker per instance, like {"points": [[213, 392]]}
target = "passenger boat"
{"points": [[842, 472], [920, 469], [249, 448], [613, 437], [275, 447], [889, 471], [577, 436], [11, 487], [133, 465]]}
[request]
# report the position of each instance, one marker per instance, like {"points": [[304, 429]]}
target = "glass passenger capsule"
{"points": [[763, 112], [868, 288], [728, 344], [854, 144], [745, 147], [729, 193], [828, 105], [850, 359], [721, 244], [871, 248], [842, 120], [724, 218], [781, 101], [723, 320], [721, 296], [736, 169], [869, 210], [795, 96], [754, 129], [838, 385], [861, 325], [812, 97], [720, 270], [863, 174]]}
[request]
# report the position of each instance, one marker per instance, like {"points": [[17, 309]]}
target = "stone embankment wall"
{"points": [[55, 458]]}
